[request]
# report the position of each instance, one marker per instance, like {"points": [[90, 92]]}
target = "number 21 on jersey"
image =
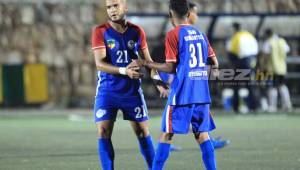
{"points": [[122, 56]]}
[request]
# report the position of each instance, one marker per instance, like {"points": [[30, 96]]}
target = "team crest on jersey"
{"points": [[111, 43], [131, 44]]}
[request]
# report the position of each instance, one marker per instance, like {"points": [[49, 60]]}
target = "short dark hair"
{"points": [[180, 7], [236, 26], [268, 32], [192, 5]]}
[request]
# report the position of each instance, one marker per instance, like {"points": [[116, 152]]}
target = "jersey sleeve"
{"points": [[97, 39], [171, 44], [211, 52], [143, 39]]}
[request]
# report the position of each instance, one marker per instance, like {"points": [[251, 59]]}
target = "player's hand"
{"points": [[215, 71], [133, 65], [139, 62], [133, 72], [164, 92]]}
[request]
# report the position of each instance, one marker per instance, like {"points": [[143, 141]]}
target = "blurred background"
{"points": [[48, 81], [46, 60]]}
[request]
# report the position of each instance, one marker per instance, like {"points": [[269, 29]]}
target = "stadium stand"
{"points": [[57, 34]]}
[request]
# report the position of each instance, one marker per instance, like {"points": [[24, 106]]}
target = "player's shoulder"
{"points": [[102, 27], [174, 31]]}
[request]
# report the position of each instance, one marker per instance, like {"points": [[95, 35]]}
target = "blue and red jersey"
{"points": [[189, 49], [121, 49]]}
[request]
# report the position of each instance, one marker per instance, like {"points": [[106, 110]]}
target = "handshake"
{"points": [[133, 69]]}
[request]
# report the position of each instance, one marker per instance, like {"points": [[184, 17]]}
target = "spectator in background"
{"points": [[242, 52], [275, 51]]}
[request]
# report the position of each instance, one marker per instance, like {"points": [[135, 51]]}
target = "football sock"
{"points": [[285, 97], [272, 96], [106, 154], [147, 149], [208, 155], [162, 154]]}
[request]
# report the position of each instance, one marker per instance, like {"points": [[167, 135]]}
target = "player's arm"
{"points": [[102, 65], [213, 61], [144, 51], [164, 67], [99, 50], [169, 66], [160, 85], [145, 54]]}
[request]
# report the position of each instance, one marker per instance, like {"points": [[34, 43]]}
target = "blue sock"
{"points": [[106, 154], [208, 155], [162, 154], [147, 150]]}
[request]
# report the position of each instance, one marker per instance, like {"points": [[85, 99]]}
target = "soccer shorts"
{"points": [[177, 119], [133, 109]]}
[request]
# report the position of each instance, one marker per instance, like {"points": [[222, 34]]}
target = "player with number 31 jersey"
{"points": [[187, 50]]}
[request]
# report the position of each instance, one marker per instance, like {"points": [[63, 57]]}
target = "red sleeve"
{"points": [[97, 38], [171, 44], [211, 52], [143, 38]]}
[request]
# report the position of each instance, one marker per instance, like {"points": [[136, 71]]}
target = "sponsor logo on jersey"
{"points": [[111, 43], [100, 113], [131, 44]]}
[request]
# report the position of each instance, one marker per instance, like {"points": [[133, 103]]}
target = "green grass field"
{"points": [[59, 141]]}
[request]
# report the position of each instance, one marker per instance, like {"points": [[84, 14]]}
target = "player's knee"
{"points": [[201, 137], [104, 132], [166, 137], [142, 132]]}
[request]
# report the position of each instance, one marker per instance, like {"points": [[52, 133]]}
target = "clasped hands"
{"points": [[133, 69]]}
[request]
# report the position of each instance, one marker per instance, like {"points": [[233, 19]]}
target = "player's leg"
{"points": [[138, 116], [175, 120], [273, 95], [162, 151], [145, 141], [105, 147], [202, 123], [105, 118], [285, 94], [207, 150]]}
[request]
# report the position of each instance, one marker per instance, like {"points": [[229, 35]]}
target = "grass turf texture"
{"points": [[63, 142]]}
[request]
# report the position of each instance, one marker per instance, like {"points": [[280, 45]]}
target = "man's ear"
{"points": [[188, 14], [170, 13]]}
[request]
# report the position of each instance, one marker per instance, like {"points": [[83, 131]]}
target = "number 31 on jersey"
{"points": [[196, 58]]}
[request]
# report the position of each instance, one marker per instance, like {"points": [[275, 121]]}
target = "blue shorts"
{"points": [[133, 109], [177, 119]]}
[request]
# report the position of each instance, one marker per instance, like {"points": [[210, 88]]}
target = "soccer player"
{"points": [[115, 44], [186, 56], [275, 51], [192, 18], [168, 78]]}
